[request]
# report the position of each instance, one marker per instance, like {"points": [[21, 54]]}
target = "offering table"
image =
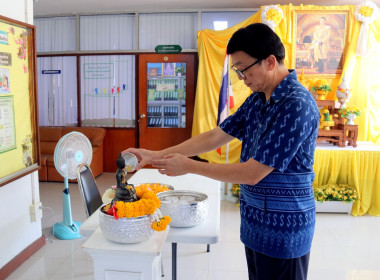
{"points": [[205, 233], [126, 261]]}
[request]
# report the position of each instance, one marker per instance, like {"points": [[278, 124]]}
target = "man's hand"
{"points": [[144, 156], [173, 164]]}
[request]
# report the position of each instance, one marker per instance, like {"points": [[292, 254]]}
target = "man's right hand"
{"points": [[144, 156]]}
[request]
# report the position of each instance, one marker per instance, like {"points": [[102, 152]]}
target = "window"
{"points": [[108, 90], [57, 91], [168, 29], [107, 32], [55, 34]]}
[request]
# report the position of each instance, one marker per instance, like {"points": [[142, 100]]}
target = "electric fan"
{"points": [[72, 150]]}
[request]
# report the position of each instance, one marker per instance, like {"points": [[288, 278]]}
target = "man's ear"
{"points": [[271, 62]]}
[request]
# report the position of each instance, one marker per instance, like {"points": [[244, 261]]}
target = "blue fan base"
{"points": [[65, 232]]}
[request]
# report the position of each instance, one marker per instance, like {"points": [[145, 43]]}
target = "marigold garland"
{"points": [[161, 224], [146, 205], [155, 187]]}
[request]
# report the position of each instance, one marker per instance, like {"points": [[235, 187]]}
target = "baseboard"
{"points": [[12, 265]]}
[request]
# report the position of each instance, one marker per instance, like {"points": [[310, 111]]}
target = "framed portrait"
{"points": [[320, 42], [168, 69]]}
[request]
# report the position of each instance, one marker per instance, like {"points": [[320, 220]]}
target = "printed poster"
{"points": [[7, 124], [4, 81]]}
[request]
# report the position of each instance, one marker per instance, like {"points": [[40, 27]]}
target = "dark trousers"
{"points": [[262, 267]]}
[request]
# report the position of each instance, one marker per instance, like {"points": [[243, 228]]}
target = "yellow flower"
{"points": [[366, 11], [340, 192], [147, 204], [161, 224], [274, 15]]}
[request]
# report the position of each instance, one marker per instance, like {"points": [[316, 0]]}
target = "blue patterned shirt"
{"points": [[278, 213]]}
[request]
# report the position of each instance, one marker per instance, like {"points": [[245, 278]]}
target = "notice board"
{"points": [[19, 149]]}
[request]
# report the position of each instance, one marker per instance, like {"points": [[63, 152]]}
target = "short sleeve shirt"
{"points": [[280, 133]]}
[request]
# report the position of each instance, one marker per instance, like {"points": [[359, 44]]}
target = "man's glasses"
{"points": [[240, 72]]}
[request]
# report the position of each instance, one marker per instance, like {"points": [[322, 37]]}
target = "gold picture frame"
{"points": [[320, 42]]}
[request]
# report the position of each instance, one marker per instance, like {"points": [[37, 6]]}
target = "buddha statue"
{"points": [[124, 191]]}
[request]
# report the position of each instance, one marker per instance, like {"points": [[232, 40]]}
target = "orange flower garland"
{"points": [[146, 205], [161, 224], [155, 187]]}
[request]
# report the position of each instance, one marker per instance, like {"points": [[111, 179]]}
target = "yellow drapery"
{"points": [[359, 169], [211, 49]]}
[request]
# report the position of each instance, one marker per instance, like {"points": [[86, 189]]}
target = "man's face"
{"points": [[254, 76], [322, 21]]}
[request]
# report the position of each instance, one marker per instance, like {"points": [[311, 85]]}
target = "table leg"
{"points": [[208, 248], [174, 261]]}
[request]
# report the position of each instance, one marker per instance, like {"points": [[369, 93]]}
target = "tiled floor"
{"points": [[344, 247]]}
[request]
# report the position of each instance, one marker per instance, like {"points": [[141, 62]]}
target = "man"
{"points": [[278, 126], [321, 37]]}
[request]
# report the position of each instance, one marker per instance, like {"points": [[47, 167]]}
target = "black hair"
{"points": [[257, 40]]}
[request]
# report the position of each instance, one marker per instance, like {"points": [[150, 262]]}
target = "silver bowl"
{"points": [[126, 230], [185, 208]]}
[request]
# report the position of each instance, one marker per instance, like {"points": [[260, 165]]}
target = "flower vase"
{"points": [[350, 119], [321, 94]]}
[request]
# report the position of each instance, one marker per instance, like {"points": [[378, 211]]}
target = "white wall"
{"points": [[17, 230]]}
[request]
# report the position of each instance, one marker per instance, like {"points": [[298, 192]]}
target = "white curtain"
{"points": [[168, 29], [55, 34], [108, 90], [107, 32], [57, 91]]}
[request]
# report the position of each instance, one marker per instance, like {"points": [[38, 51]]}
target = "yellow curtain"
{"points": [[211, 49], [359, 169]]}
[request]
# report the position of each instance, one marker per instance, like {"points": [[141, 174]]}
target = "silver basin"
{"points": [[185, 208], [126, 230]]}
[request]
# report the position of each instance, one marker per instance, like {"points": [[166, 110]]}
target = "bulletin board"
{"points": [[19, 148]]}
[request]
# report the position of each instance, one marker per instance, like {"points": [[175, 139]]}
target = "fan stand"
{"points": [[67, 229]]}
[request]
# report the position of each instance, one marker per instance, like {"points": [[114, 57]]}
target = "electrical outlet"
{"points": [[36, 211]]}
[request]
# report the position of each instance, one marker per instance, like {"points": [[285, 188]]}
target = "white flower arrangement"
{"points": [[366, 12], [272, 15]]}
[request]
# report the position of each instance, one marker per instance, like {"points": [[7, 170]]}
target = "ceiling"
{"points": [[56, 7]]}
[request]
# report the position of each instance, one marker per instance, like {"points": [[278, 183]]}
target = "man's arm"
{"points": [[250, 172], [202, 143], [205, 142]]}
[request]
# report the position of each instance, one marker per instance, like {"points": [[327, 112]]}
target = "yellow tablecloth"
{"points": [[358, 167]]}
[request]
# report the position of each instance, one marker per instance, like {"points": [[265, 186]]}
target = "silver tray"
{"points": [[185, 208]]}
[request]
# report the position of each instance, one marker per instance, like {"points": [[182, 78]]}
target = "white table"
{"points": [[205, 233], [126, 261]]}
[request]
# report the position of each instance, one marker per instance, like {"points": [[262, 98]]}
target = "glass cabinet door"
{"points": [[166, 93], [166, 96]]}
